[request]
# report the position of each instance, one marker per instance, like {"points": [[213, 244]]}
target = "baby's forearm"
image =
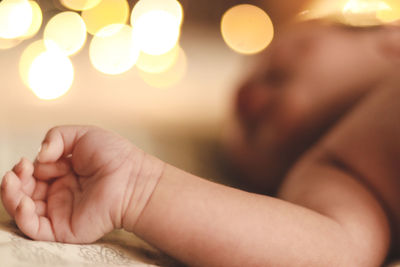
{"points": [[206, 224]]}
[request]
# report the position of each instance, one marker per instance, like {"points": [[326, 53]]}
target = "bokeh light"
{"points": [[15, 18], [247, 29], [28, 56], [51, 75], [364, 13], [318, 9], [158, 31], [80, 5], [114, 49], [172, 7], [159, 63], [9, 43], [167, 78], [392, 14], [37, 19], [107, 12], [66, 31]]}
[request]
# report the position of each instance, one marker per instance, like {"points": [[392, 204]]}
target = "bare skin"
{"points": [[305, 82], [337, 206]]}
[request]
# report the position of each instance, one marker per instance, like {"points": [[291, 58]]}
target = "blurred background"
{"points": [[162, 73]]}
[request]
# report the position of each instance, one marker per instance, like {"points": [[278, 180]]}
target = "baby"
{"points": [[322, 106]]}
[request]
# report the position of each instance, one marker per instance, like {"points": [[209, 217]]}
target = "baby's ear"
{"points": [[389, 42]]}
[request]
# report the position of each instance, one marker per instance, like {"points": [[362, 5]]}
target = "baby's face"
{"points": [[307, 79]]}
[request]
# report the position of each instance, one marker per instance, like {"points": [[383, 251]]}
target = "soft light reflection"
{"points": [[172, 7], [67, 31], [247, 29], [15, 18], [28, 56], [167, 78], [364, 12], [158, 63], [106, 13], [80, 5], [157, 31], [113, 49], [51, 75]]}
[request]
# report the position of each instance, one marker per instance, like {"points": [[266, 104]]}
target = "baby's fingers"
{"points": [[60, 141], [46, 171], [31, 223], [11, 193]]}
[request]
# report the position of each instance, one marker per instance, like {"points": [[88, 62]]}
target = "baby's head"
{"points": [[308, 78]]}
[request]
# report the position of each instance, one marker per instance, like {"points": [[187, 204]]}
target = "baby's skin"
{"points": [[337, 205]]}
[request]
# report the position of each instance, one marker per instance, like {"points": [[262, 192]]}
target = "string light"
{"points": [[157, 31], [159, 63], [107, 12], [247, 29], [113, 49], [172, 7], [170, 77], [15, 18], [50, 75], [65, 31], [80, 5]]}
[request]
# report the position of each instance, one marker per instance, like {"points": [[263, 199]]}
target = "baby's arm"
{"points": [[88, 181], [207, 224]]}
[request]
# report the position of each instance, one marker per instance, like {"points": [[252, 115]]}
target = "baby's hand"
{"points": [[83, 183]]}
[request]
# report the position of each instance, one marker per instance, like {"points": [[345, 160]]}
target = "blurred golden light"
{"points": [[28, 56], [114, 49], [51, 75], [80, 5], [170, 77], [159, 63], [37, 19], [9, 43], [318, 9], [364, 12], [172, 7], [15, 18], [158, 31], [107, 12], [392, 14], [247, 29], [66, 31]]}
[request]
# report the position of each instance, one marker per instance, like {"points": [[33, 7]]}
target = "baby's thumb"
{"points": [[60, 141]]}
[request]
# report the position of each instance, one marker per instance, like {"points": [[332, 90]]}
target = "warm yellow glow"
{"points": [[15, 18], [113, 49], [9, 43], [36, 22], [392, 14], [51, 75], [158, 31], [66, 31], [106, 13], [80, 5], [318, 9], [173, 7], [170, 77], [364, 12], [28, 56], [160, 63], [247, 29]]}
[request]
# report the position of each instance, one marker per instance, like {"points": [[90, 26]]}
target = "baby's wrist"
{"points": [[144, 183]]}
